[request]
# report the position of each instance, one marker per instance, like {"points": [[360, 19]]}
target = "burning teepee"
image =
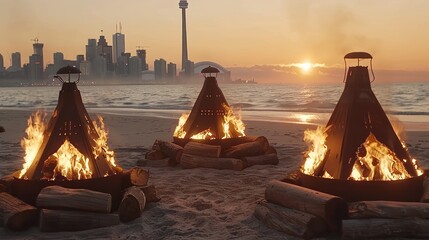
{"points": [[211, 117], [71, 147]]}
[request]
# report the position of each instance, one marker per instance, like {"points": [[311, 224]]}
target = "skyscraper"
{"points": [[160, 67], [58, 61], [171, 71], [91, 50], [1, 63], [16, 62], [118, 45], [183, 4], [141, 53], [105, 51], [135, 67], [38, 50]]}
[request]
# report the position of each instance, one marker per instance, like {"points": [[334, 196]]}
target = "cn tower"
{"points": [[183, 4]]}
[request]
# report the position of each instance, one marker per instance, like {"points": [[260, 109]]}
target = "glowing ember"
{"points": [[67, 163], [34, 139], [231, 124], [317, 151]]}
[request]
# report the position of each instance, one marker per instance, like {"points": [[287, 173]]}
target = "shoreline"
{"points": [[410, 123]]}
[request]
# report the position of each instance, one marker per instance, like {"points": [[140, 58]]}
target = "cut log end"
{"points": [[132, 205], [15, 214]]}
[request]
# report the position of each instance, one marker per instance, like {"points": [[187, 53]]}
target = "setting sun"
{"points": [[305, 67]]}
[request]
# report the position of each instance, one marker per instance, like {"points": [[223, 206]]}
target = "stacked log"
{"points": [[132, 204], [382, 219], [290, 221], [331, 209], [15, 214], [61, 220], [233, 153]]}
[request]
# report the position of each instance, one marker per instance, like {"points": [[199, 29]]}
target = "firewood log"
{"points": [[150, 193], [62, 220], [135, 176], [331, 208], [425, 195], [383, 228], [154, 155], [7, 181], [271, 149], [257, 147], [293, 177], [201, 149], [190, 161], [388, 209], [15, 214], [79, 199], [262, 160], [290, 221], [132, 205], [171, 150]]}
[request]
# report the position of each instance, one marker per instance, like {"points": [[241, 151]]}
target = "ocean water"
{"points": [[408, 102]]}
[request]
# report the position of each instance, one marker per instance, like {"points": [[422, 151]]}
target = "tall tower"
{"points": [[183, 4], [38, 50], [118, 43]]}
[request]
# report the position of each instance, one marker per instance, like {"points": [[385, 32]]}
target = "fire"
{"points": [[67, 163], [374, 161], [101, 146], [317, 151], [231, 124], [33, 141], [377, 162]]}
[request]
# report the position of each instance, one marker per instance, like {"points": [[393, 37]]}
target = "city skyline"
{"points": [[236, 34]]}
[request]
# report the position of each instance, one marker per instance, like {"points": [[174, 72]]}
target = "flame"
{"points": [[101, 146], [317, 150], [70, 163], [232, 126], [34, 139], [375, 161], [67, 163]]}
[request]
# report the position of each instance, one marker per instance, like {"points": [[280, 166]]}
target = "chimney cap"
{"points": [[357, 55], [69, 70], [210, 69]]}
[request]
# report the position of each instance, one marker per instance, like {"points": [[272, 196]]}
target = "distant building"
{"points": [[80, 58], [35, 68], [1, 64], [141, 53], [122, 64], [91, 50], [105, 51], [58, 61], [118, 46], [160, 68], [50, 70], [189, 68], [38, 50], [171, 71], [99, 67], [135, 66], [85, 68], [16, 63]]}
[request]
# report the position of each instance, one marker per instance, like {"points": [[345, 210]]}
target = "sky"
{"points": [[246, 36]]}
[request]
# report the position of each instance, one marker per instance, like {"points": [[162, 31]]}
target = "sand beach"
{"points": [[196, 203]]}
